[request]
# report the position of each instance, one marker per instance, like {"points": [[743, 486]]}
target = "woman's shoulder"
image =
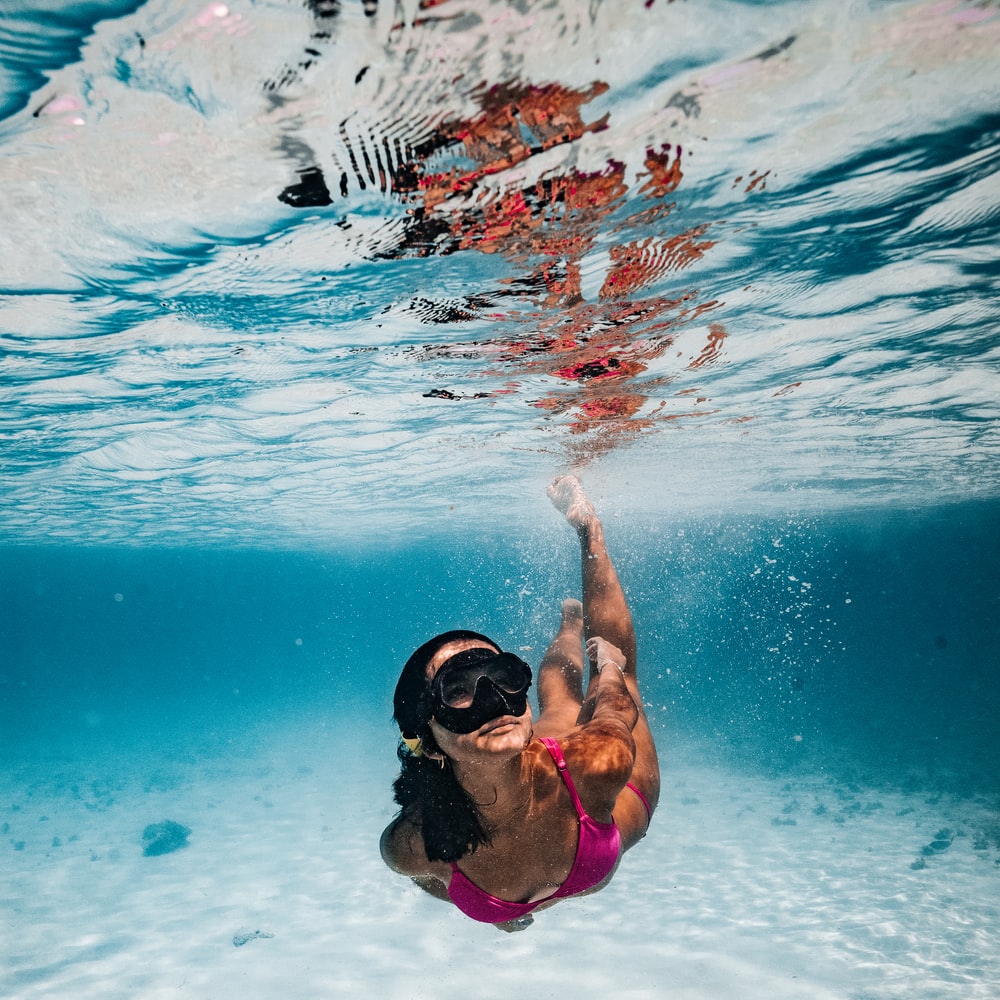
{"points": [[402, 847], [598, 763], [589, 750]]}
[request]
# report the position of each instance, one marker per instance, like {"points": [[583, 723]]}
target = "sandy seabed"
{"points": [[746, 887]]}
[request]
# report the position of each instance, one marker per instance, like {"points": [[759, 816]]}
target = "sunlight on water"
{"points": [[288, 270]]}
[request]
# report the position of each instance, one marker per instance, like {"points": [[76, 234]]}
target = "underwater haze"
{"points": [[302, 305]]}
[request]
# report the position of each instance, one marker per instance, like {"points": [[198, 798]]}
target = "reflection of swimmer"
{"points": [[501, 818]]}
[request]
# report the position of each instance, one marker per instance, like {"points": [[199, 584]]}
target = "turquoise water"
{"points": [[858, 646], [823, 692], [301, 306]]}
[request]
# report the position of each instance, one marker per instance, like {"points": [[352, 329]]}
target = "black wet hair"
{"points": [[427, 792], [412, 705]]}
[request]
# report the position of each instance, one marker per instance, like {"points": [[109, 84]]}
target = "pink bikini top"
{"points": [[597, 853]]}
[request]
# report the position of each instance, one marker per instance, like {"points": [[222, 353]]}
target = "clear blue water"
{"points": [[863, 646], [303, 303]]}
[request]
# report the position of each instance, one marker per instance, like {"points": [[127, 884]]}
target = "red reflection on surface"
{"points": [[711, 351], [785, 390], [664, 174], [636, 265], [498, 138], [467, 188], [754, 181]]}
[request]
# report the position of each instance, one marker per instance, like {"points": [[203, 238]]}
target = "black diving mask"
{"points": [[477, 685]]}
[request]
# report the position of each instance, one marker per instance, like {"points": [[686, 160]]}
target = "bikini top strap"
{"points": [[555, 751]]}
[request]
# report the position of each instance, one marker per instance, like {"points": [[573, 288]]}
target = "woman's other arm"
{"points": [[604, 744], [401, 848]]}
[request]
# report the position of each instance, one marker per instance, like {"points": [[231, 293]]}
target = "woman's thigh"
{"points": [[630, 811], [560, 688], [558, 718]]}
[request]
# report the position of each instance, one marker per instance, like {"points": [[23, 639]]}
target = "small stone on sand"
{"points": [[162, 838]]}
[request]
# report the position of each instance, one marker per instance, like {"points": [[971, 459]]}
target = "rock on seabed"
{"points": [[162, 838]]}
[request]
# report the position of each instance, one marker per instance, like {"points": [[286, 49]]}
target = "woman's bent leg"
{"points": [[560, 677]]}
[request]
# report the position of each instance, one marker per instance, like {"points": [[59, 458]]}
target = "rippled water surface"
{"points": [[303, 269]]}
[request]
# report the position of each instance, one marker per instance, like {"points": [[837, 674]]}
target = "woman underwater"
{"points": [[502, 815]]}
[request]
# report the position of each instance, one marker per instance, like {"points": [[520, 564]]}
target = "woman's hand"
{"points": [[518, 924], [614, 705], [601, 653]]}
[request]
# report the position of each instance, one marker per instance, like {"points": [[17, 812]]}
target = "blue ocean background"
{"points": [[859, 645], [302, 305]]}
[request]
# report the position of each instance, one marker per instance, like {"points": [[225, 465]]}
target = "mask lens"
{"points": [[458, 687], [509, 673]]}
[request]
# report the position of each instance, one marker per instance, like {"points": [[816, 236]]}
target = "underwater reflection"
{"points": [[465, 190]]}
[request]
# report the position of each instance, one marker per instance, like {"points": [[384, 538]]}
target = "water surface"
{"points": [[286, 271]]}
